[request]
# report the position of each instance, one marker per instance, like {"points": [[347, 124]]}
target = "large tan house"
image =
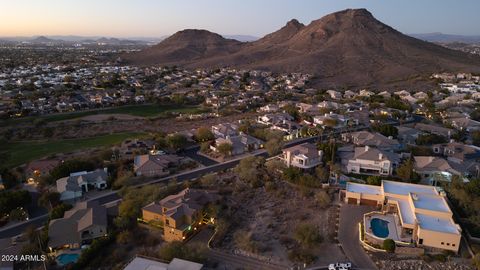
{"points": [[180, 213], [418, 213], [80, 225], [303, 156]]}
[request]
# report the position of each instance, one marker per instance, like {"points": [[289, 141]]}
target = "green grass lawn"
{"points": [[150, 110], [25, 151]]}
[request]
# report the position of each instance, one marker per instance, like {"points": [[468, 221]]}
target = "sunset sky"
{"points": [[149, 18]]}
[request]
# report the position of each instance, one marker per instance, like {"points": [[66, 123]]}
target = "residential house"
{"points": [[366, 138], [180, 214], [407, 135], [334, 94], [240, 144], [74, 185], [369, 160], [303, 156], [349, 94], [129, 148], [332, 120], [421, 214], [437, 169], [224, 130], [274, 118], [311, 109], [80, 225], [269, 108], [39, 168], [155, 165], [147, 263], [464, 123], [434, 129]]}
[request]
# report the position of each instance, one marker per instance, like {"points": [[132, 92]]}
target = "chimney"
{"points": [[367, 148], [380, 156]]}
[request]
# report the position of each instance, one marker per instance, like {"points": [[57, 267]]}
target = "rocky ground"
{"points": [[420, 265]]}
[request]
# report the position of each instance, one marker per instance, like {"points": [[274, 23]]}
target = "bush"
{"points": [[307, 235], [301, 255], [389, 245]]}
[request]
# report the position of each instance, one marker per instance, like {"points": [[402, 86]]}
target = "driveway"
{"points": [[350, 216]]}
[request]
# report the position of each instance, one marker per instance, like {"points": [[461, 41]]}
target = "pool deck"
{"points": [[394, 228]]}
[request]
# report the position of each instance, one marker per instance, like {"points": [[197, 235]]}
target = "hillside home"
{"points": [[303, 156], [180, 214], [80, 225], [73, 186], [370, 160], [155, 165], [411, 213]]}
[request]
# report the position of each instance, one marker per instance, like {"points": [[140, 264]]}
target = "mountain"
{"points": [[446, 38], [349, 48], [186, 46], [42, 39], [242, 38]]}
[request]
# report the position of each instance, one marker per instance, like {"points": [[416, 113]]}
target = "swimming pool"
{"points": [[67, 258], [379, 227]]}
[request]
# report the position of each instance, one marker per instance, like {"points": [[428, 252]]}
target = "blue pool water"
{"points": [[65, 258], [379, 227]]}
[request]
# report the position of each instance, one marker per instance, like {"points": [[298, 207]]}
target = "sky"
{"points": [[156, 18]]}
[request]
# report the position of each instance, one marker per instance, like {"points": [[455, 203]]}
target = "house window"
{"points": [[420, 241], [167, 222], [443, 243], [453, 245], [448, 244]]}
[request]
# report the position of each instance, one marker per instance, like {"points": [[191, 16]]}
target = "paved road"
{"points": [[190, 175], [350, 216], [192, 153]]}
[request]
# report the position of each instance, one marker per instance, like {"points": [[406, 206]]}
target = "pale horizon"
{"points": [[144, 19]]}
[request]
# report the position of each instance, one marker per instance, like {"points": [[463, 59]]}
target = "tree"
{"points": [[176, 141], [10, 200], [59, 210], [405, 171], [386, 130], [476, 260], [322, 174], [204, 134], [275, 167], [68, 167], [322, 198], [374, 180], [204, 147], [389, 245], [225, 149], [274, 146], [475, 137], [250, 170], [49, 199], [307, 235]]}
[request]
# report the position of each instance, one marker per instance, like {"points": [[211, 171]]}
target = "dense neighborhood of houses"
{"points": [[402, 154]]}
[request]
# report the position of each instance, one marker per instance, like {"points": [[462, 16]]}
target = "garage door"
{"points": [[352, 201], [368, 202]]}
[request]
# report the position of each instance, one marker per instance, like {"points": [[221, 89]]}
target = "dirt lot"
{"points": [[272, 216], [105, 117]]}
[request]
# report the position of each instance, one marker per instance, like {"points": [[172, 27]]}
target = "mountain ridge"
{"points": [[343, 49]]}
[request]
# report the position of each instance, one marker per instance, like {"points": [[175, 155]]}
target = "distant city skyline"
{"points": [[144, 18]]}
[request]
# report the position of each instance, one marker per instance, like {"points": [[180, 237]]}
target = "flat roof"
{"points": [[145, 264], [401, 188], [362, 188], [408, 216], [437, 224], [430, 202]]}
